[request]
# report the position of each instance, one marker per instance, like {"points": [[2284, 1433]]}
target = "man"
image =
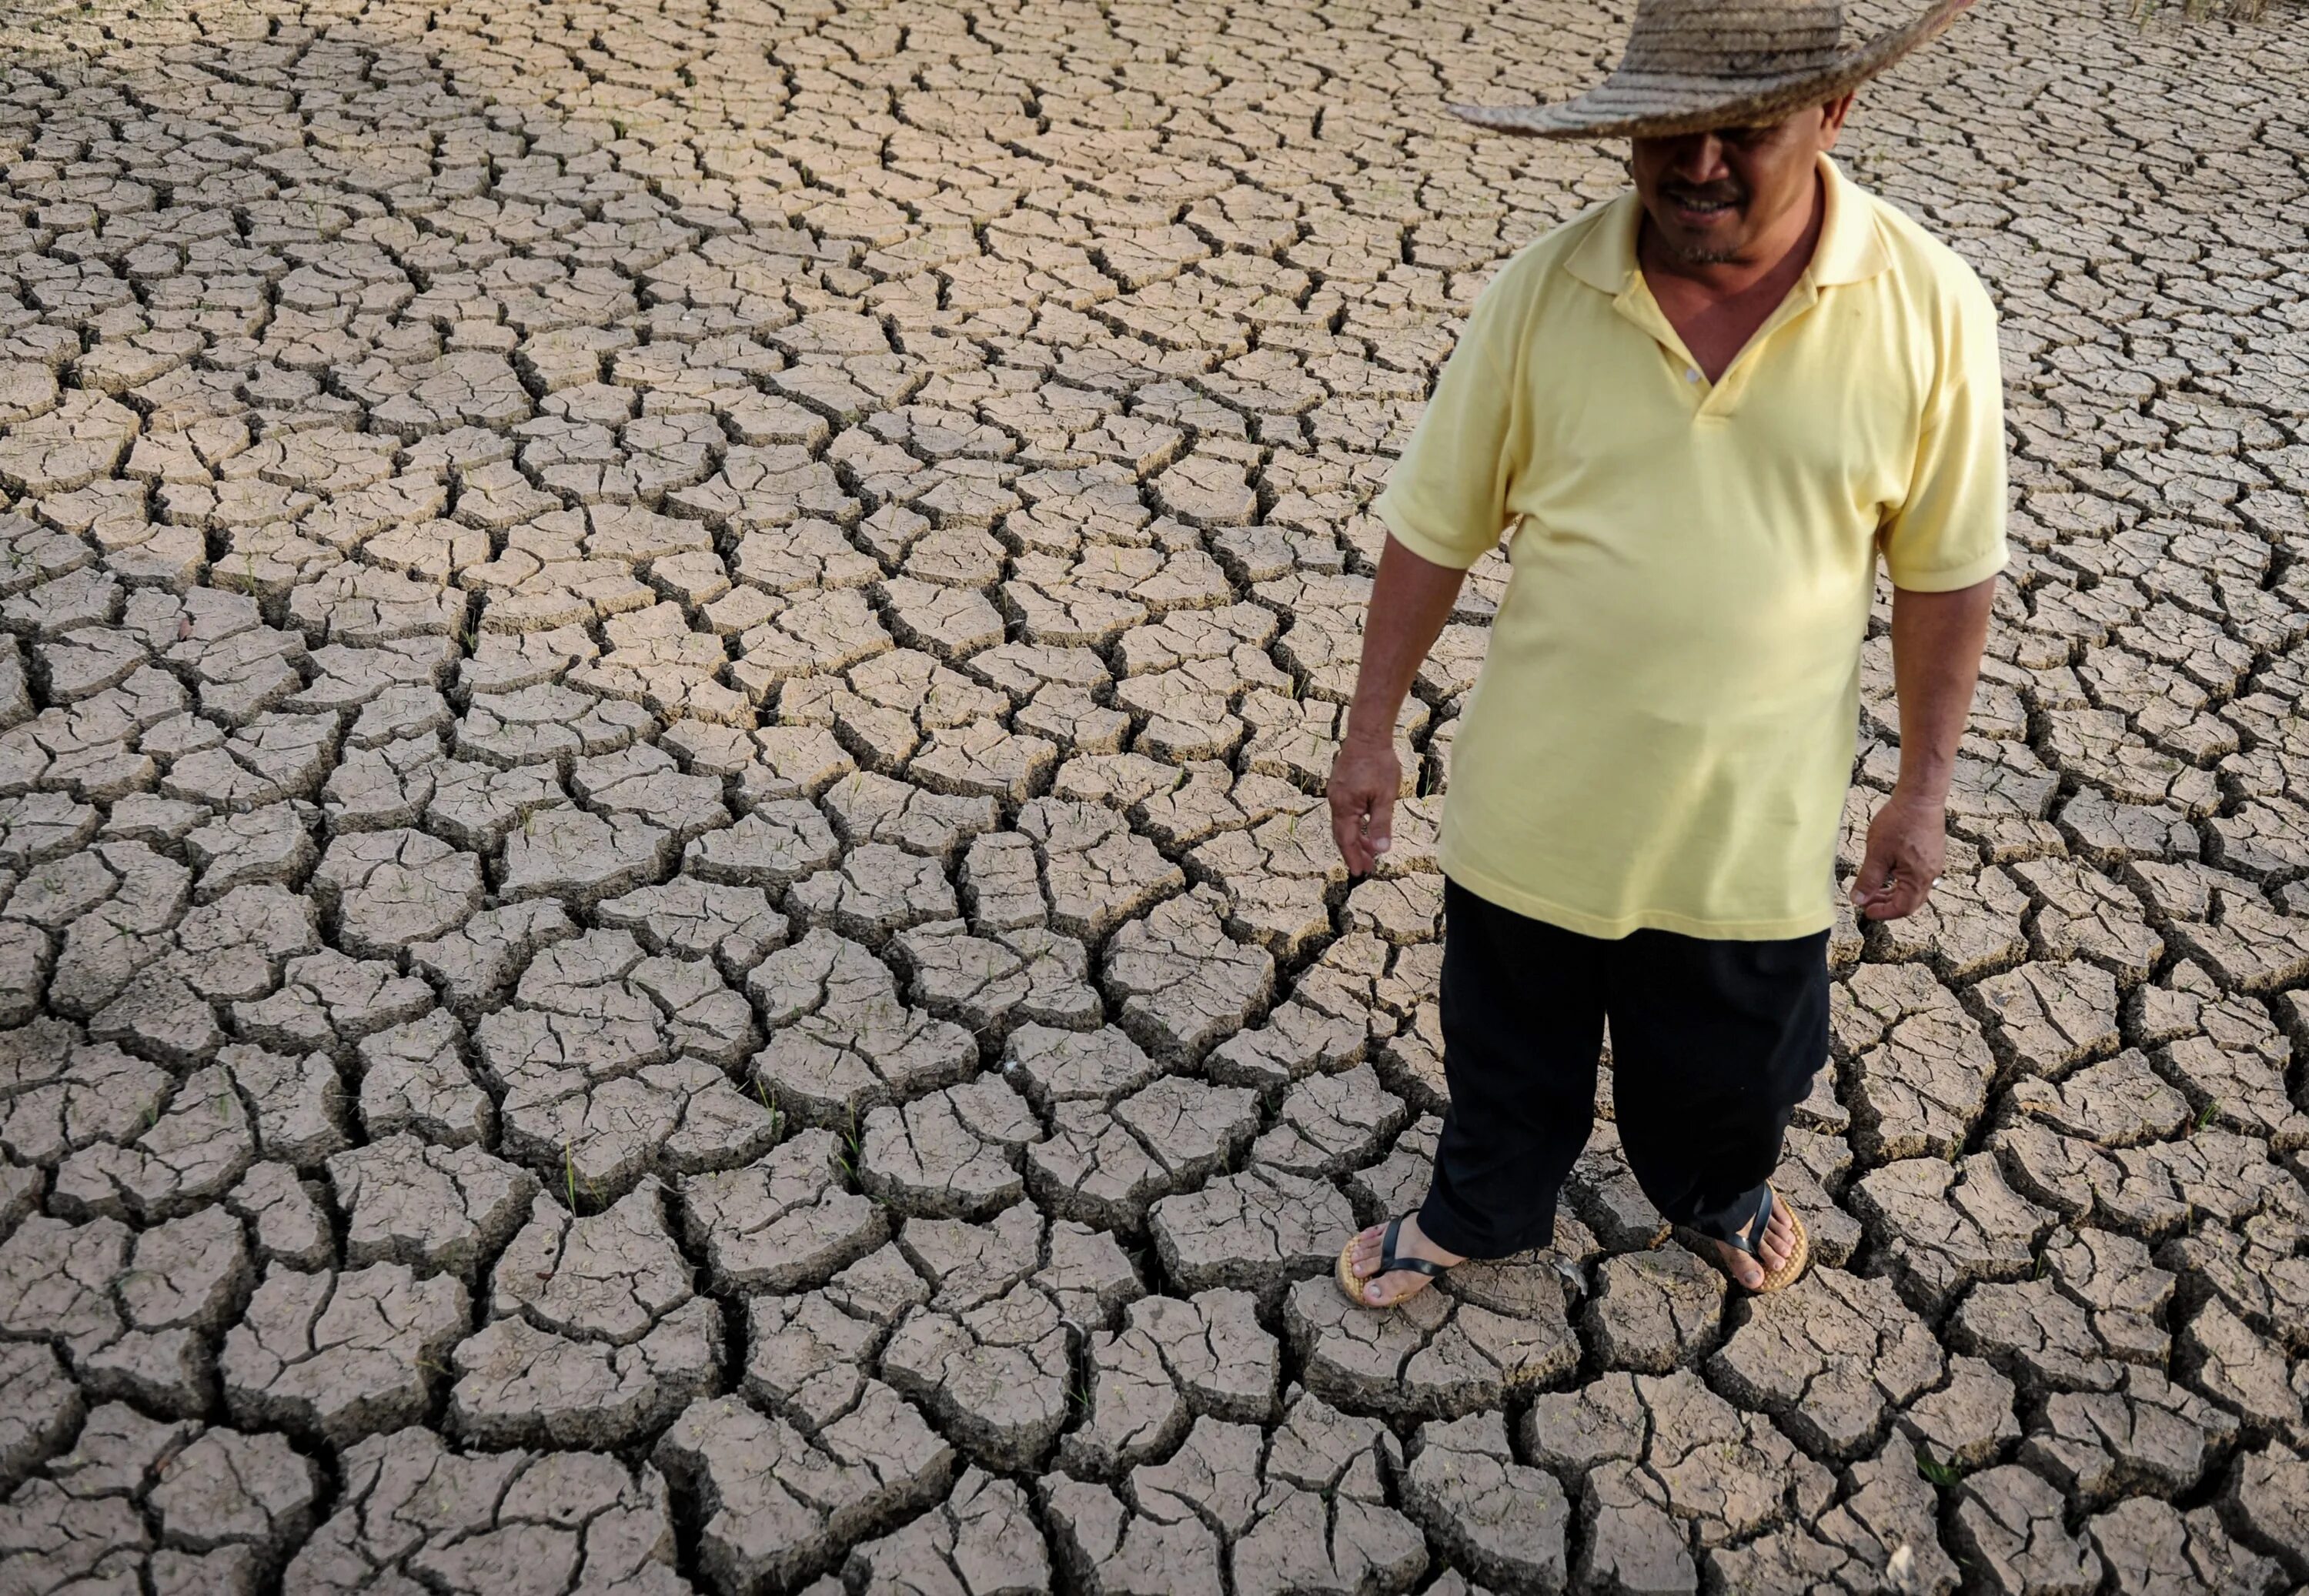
{"points": [[1704, 409]]}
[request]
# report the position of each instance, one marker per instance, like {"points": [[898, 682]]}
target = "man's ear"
{"points": [[1831, 119]]}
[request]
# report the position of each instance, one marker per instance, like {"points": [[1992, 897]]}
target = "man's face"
{"points": [[1715, 196]]}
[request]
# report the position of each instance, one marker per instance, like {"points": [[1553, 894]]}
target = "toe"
{"points": [[1780, 1241], [1391, 1289]]}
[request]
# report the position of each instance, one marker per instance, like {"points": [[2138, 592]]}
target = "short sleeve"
{"points": [[1446, 500], [1948, 533]]}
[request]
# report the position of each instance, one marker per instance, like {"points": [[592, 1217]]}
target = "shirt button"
{"points": [[1691, 374]]}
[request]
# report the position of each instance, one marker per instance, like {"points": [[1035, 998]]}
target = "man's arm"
{"points": [[1409, 603], [1936, 643]]}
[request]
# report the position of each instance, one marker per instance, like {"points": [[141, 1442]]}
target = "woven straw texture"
{"points": [[1693, 64]]}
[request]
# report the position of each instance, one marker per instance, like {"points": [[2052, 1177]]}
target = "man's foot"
{"points": [[1392, 1288], [1778, 1245]]}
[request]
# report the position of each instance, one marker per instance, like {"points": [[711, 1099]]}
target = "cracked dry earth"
{"points": [[666, 921]]}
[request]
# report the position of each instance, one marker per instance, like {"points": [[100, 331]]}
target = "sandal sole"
{"points": [[1789, 1272], [1799, 1260], [1351, 1284]]}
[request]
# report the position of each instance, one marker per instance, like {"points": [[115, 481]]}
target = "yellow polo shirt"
{"points": [[1663, 732]]}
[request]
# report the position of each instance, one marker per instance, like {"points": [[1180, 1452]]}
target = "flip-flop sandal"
{"points": [[1799, 1255], [1352, 1284]]}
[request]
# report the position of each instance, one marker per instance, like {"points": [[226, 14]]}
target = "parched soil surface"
{"points": [[666, 920]]}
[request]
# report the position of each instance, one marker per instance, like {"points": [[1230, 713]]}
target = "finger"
{"points": [[1882, 866], [1877, 903], [1868, 882], [1347, 829], [1903, 895], [1379, 829]]}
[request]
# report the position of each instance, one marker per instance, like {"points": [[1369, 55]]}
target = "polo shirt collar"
{"points": [[1848, 250]]}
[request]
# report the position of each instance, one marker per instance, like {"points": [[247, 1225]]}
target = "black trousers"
{"points": [[1713, 1045]]}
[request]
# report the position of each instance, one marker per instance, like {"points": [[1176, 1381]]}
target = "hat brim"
{"points": [[1650, 105]]}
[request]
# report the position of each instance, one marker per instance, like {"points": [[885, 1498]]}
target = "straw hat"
{"points": [[1693, 64]]}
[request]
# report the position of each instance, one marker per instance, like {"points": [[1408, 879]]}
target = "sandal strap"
{"points": [[1388, 1263], [1750, 1239]]}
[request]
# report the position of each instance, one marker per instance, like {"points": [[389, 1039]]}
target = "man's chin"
{"points": [[1702, 251]]}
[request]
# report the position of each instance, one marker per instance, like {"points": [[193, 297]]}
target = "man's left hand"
{"points": [[1907, 843]]}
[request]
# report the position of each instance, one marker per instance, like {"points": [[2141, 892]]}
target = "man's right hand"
{"points": [[1411, 599], [1366, 777]]}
